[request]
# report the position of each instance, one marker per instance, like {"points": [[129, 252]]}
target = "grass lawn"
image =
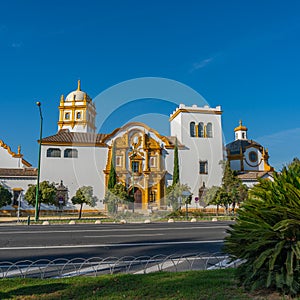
{"points": [[208, 285]]}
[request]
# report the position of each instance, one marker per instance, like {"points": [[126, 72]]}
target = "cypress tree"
{"points": [[176, 165], [112, 179]]}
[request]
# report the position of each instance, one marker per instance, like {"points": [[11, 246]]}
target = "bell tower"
{"points": [[77, 112]]}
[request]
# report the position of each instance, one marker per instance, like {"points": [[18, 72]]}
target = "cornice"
{"points": [[191, 110]]}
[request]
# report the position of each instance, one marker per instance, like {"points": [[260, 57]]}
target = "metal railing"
{"points": [[59, 268]]}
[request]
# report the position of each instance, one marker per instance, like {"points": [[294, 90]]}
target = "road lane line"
{"points": [[111, 230], [111, 245], [121, 235]]}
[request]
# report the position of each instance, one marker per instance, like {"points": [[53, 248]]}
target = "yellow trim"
{"points": [[17, 189], [14, 154], [235, 157], [240, 127], [202, 111], [163, 138], [77, 144]]}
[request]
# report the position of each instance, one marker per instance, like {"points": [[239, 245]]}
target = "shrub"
{"points": [[267, 234]]}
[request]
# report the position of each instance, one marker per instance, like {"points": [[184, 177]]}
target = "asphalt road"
{"points": [[106, 240]]}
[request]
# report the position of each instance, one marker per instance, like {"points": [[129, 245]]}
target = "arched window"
{"points": [[53, 152], [67, 116], [118, 161], [192, 129], [200, 129], [71, 153], [78, 115], [152, 162], [209, 132]]}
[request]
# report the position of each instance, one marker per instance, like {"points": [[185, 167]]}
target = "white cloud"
{"points": [[283, 146], [203, 63]]}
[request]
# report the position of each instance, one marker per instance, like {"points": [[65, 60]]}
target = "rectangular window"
{"points": [[118, 161], [135, 166], [16, 196], [203, 167]]}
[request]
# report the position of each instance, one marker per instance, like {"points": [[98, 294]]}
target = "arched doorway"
{"points": [[138, 198]]}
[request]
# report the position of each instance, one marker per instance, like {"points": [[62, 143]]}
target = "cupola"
{"points": [[241, 132], [77, 112]]}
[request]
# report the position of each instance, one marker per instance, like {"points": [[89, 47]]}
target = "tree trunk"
{"points": [[80, 211]]}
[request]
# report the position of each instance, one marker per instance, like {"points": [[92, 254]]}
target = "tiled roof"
{"points": [[253, 175], [87, 138], [64, 136], [235, 146], [20, 172]]}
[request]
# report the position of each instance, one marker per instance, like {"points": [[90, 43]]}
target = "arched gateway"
{"points": [[139, 153]]}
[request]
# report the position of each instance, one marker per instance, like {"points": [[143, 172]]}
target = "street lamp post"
{"points": [[39, 165], [132, 189], [132, 156]]}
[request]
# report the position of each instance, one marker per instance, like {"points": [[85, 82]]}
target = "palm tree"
{"points": [[267, 234]]}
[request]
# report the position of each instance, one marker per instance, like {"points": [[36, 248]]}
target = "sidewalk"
{"points": [[23, 220]]}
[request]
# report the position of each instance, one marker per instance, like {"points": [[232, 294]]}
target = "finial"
{"points": [[241, 123], [19, 149], [62, 98], [78, 87]]}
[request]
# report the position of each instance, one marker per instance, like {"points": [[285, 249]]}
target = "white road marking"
{"points": [[110, 245], [121, 235], [110, 230]]}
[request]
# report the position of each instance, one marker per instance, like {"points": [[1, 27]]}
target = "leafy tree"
{"points": [[294, 165], [210, 194], [222, 197], [174, 195], [115, 196], [5, 196], [112, 179], [176, 165], [47, 194], [267, 234], [84, 195], [231, 192]]}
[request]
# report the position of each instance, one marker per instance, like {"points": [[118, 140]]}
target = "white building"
{"points": [[143, 157], [15, 172]]}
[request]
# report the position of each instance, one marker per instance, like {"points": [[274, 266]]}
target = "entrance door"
{"points": [[137, 198]]}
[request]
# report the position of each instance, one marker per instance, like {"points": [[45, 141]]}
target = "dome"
{"points": [[77, 95], [240, 127]]}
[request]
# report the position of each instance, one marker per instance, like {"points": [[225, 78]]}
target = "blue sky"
{"points": [[242, 55]]}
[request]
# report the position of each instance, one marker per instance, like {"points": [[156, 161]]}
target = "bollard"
{"points": [[28, 220]]}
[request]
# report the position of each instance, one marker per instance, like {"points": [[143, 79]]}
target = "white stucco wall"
{"points": [[198, 149], [253, 166], [86, 170], [8, 161]]}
